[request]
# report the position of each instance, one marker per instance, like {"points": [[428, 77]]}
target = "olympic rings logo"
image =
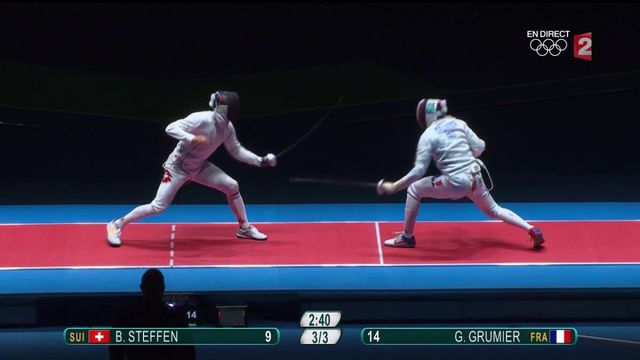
{"points": [[548, 46]]}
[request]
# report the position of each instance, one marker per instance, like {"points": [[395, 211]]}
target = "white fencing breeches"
{"points": [[457, 187], [209, 175]]}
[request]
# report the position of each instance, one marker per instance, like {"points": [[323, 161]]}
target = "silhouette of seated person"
{"points": [[151, 311]]}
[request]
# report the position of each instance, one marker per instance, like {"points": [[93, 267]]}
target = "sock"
{"points": [[237, 207], [135, 214], [410, 214], [510, 217]]}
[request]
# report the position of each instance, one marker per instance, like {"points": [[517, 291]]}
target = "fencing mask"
{"points": [[229, 98], [430, 110]]}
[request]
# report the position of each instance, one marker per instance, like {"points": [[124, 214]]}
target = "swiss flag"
{"points": [[99, 336], [166, 177]]}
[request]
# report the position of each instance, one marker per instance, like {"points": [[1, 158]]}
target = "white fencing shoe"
{"points": [[113, 234], [251, 233]]}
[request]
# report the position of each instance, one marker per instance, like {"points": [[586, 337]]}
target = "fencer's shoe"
{"points": [[251, 232], [113, 234], [536, 237], [401, 241]]}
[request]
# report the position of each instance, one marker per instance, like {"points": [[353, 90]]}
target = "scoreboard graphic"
{"points": [[321, 328], [172, 336], [468, 336]]}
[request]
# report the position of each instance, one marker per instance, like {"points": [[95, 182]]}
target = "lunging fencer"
{"points": [[455, 149], [199, 135]]}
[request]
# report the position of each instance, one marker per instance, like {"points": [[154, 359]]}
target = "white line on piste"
{"points": [[171, 244], [426, 265], [379, 244], [320, 222]]}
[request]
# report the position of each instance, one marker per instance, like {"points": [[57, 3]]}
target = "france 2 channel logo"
{"points": [[582, 44]]}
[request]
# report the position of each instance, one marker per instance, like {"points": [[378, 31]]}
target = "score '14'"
{"points": [[373, 336]]}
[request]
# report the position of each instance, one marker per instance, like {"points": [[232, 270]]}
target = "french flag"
{"points": [[561, 336]]}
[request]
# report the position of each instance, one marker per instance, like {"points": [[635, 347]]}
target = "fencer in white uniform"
{"points": [[455, 149], [199, 135]]}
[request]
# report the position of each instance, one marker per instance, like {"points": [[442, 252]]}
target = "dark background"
{"points": [[96, 84]]}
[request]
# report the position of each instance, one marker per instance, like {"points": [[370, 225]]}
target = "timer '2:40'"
{"points": [[319, 320]]}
